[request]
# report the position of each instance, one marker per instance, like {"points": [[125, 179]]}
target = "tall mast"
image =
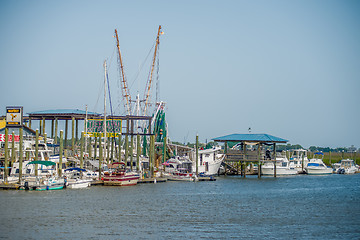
{"points": [[149, 82], [105, 78], [124, 86]]}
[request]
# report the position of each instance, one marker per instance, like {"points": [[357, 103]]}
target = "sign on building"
{"points": [[14, 116], [95, 127]]}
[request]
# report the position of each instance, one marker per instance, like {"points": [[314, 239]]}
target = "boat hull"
{"points": [[121, 180], [279, 171], [79, 184], [319, 171]]}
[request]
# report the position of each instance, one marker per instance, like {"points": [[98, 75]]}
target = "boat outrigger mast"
{"points": [[149, 82], [124, 85]]}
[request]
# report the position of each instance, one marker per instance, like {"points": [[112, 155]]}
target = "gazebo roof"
{"points": [[264, 138]]}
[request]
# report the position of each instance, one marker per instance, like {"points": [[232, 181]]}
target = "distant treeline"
{"points": [[317, 149], [283, 147]]}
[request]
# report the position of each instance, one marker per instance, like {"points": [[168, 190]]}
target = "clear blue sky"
{"points": [[286, 68]]}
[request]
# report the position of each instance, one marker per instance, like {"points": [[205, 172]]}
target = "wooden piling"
{"points": [[56, 130], [89, 147], [40, 126], [152, 155], [29, 122], [95, 147], [126, 148], [258, 158], [82, 150], [36, 150], [66, 133], [20, 153], [100, 156], [43, 126], [73, 135], [131, 151], [119, 146], [45, 138], [197, 155], [61, 152], [112, 149], [6, 164], [274, 159], [138, 152], [13, 154], [107, 149], [52, 128], [164, 150], [77, 131]]}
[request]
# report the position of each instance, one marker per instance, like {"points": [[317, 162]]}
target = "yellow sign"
{"points": [[14, 116], [95, 134]]}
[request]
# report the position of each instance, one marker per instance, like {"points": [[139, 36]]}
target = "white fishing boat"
{"points": [[282, 166], [209, 161], [178, 169], [316, 166], [346, 166], [299, 160], [76, 178], [46, 178]]}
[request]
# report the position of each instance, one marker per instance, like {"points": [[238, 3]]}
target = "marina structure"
{"points": [[248, 148]]}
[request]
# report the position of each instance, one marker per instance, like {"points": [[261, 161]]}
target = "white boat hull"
{"points": [[318, 171], [78, 183], [279, 171]]}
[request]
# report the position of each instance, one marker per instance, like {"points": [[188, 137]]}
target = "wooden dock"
{"points": [[206, 179], [9, 186], [152, 180], [97, 183]]}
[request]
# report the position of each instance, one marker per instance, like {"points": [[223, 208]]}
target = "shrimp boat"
{"points": [[118, 175], [209, 161]]}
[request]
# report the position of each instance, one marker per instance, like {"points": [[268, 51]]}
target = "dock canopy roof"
{"points": [[263, 138], [62, 113]]}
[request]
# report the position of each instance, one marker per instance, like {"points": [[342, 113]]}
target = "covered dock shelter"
{"points": [[248, 148]]}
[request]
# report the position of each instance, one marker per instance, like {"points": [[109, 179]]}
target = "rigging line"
{"points": [[146, 87], [97, 101], [112, 56], [142, 65], [157, 75], [111, 110]]}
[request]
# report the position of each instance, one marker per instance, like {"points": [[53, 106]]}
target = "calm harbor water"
{"points": [[299, 207]]}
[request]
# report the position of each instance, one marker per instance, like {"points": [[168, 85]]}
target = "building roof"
{"points": [[265, 138], [62, 113]]}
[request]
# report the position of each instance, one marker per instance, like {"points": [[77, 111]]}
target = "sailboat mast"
{"points": [[105, 78]]}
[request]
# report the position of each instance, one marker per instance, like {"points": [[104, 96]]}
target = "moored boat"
{"points": [[346, 166], [316, 166], [282, 165], [209, 161], [76, 178], [118, 175]]}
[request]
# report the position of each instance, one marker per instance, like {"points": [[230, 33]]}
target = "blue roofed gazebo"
{"points": [[241, 153]]}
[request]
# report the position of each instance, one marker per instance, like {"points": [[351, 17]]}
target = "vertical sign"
{"points": [[14, 116]]}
